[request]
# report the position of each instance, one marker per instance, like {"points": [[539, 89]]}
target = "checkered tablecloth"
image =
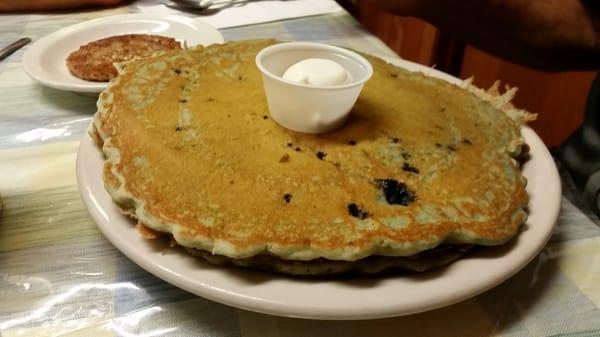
{"points": [[60, 277]]}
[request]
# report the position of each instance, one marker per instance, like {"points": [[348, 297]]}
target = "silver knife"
{"points": [[13, 47]]}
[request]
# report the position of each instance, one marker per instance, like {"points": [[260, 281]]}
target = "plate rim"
{"points": [[33, 52], [245, 301]]}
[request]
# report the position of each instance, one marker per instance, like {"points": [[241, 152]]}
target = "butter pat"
{"points": [[318, 72], [319, 88]]}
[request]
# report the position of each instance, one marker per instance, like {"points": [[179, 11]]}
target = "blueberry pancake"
{"points": [[421, 170]]}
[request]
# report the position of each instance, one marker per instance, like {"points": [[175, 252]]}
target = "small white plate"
{"points": [[362, 298], [45, 60]]}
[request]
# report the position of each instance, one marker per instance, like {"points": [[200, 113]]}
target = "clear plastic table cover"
{"points": [[60, 277]]}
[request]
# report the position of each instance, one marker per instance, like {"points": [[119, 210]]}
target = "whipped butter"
{"points": [[318, 72]]}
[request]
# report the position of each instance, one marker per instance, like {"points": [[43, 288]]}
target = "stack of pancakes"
{"points": [[421, 171]]}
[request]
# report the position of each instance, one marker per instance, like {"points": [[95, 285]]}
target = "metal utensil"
{"points": [[13, 47], [195, 4], [198, 4]]}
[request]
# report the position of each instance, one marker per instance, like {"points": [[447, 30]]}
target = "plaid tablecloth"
{"points": [[60, 277]]}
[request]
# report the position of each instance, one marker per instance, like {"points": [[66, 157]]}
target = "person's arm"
{"points": [[549, 34], [44, 5]]}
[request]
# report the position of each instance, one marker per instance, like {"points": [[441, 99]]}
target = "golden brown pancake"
{"points": [[374, 264], [191, 151], [94, 61]]}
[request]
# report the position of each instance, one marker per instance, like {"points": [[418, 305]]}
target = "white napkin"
{"points": [[253, 12]]}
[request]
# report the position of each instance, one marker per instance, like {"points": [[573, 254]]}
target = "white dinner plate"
{"points": [[44, 60], [360, 298]]}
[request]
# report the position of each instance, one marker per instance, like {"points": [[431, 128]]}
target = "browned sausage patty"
{"points": [[94, 61]]}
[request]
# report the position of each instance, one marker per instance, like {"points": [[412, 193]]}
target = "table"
{"points": [[60, 277]]}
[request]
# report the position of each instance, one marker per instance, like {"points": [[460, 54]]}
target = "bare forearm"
{"points": [[550, 34], [42, 5]]}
